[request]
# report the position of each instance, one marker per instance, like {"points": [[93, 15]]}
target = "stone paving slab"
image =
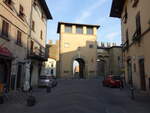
{"points": [[80, 96]]}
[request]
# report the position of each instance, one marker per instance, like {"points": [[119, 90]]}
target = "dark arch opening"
{"points": [[79, 68]]}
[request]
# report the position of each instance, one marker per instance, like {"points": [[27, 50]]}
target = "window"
{"points": [[79, 30], [52, 65], [8, 3], [52, 71], [68, 29], [89, 30], [33, 25], [138, 24], [32, 46], [134, 3], [41, 35], [127, 37], [35, 3], [5, 28], [21, 12], [42, 15], [91, 46], [19, 34]]}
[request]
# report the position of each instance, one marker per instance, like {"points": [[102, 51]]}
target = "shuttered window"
{"points": [[138, 24], [5, 28], [19, 35]]}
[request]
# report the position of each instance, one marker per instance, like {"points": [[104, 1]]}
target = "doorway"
{"points": [[142, 74], [79, 68], [130, 79], [19, 74], [5, 69]]}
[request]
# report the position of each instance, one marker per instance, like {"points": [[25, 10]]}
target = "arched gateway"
{"points": [[77, 43]]}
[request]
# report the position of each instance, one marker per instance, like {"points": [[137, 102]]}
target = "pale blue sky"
{"points": [[85, 12]]}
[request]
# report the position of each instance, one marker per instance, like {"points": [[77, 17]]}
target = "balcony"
{"points": [[125, 45], [137, 35], [38, 54]]}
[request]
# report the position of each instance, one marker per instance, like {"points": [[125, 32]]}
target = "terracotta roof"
{"points": [[116, 8], [78, 24], [45, 8]]}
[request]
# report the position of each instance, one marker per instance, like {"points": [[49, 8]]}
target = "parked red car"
{"points": [[112, 81]]}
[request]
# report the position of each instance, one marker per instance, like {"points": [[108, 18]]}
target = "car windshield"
{"points": [[116, 78]]}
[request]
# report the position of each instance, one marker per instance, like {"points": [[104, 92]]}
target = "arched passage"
{"points": [[79, 68]]}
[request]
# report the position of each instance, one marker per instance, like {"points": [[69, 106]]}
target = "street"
{"points": [[80, 96]]}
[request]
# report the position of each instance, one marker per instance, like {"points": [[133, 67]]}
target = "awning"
{"points": [[5, 52]]}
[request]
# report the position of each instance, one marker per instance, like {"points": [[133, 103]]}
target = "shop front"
{"points": [[5, 66]]}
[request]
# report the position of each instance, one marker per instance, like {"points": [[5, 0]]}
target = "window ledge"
{"points": [[18, 44], [4, 37]]}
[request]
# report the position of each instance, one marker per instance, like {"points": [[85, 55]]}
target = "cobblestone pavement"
{"points": [[79, 96]]}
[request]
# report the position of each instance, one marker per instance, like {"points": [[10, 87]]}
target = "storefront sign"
{"points": [[5, 52]]}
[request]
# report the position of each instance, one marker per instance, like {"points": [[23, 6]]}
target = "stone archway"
{"points": [[79, 70], [83, 67]]}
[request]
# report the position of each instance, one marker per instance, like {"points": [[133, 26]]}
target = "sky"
{"points": [[84, 12]]}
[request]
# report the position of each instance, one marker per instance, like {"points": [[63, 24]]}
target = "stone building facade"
{"points": [[109, 60], [135, 23], [77, 43], [17, 30]]}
